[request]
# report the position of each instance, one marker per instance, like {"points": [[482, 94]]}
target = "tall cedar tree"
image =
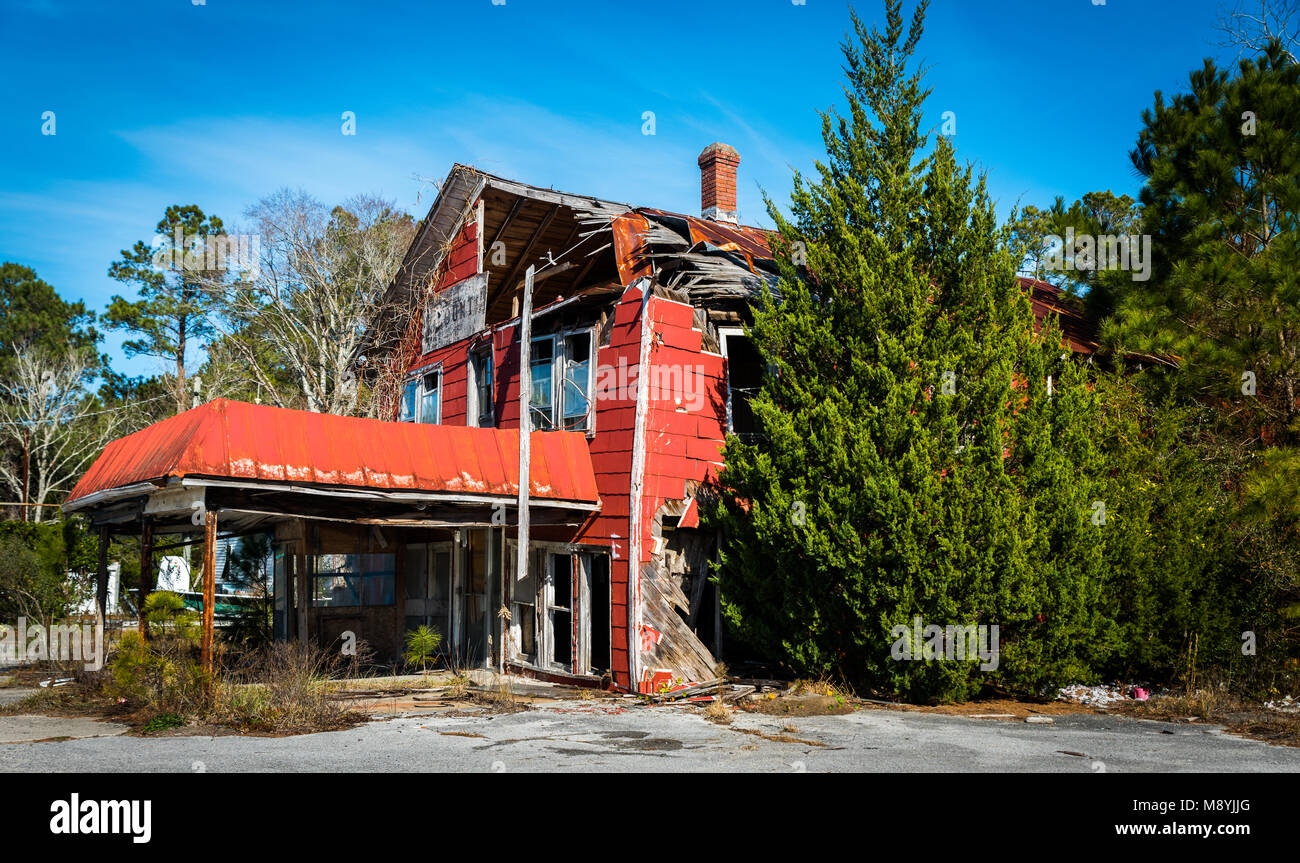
{"points": [[874, 493]]}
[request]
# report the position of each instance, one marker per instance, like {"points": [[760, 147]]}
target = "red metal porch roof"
{"points": [[226, 439]]}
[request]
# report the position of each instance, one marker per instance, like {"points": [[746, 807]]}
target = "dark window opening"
{"points": [[744, 379]]}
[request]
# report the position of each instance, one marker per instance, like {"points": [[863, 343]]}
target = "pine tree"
{"points": [[1221, 203], [912, 461], [171, 315]]}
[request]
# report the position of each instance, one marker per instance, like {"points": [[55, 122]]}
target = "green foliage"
{"points": [[172, 312], [34, 317], [44, 568], [907, 421], [422, 645], [1221, 202], [162, 722], [167, 617], [160, 676]]}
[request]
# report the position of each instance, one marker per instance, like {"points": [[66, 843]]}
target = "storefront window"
{"points": [[343, 580]]}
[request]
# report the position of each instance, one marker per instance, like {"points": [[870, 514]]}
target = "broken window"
{"points": [[431, 398], [561, 372], [342, 580], [422, 399], [559, 611], [480, 388], [577, 380], [541, 409], [428, 588], [744, 380], [523, 614]]}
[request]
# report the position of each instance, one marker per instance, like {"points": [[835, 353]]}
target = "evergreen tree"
{"points": [[34, 317], [913, 461], [1221, 202], [171, 315]]}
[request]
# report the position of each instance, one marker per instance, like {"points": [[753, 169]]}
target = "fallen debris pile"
{"points": [[1100, 696]]}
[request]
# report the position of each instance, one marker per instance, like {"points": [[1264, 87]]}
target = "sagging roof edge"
{"points": [[112, 495]]}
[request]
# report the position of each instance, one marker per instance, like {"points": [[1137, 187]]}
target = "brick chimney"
{"points": [[718, 165]]}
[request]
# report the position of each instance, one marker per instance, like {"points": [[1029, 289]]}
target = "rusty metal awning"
{"points": [[253, 445]]}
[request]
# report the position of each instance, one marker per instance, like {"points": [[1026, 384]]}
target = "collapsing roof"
{"points": [[262, 445], [585, 245]]}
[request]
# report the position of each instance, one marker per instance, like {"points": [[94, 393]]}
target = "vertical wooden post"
{"points": [[525, 422], [101, 579], [146, 571], [209, 586]]}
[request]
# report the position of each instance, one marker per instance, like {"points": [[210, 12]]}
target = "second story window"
{"points": [[480, 408], [561, 370], [431, 398], [422, 399]]}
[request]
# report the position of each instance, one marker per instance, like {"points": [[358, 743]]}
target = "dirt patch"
{"points": [[800, 705], [778, 738], [1203, 708], [1006, 708]]}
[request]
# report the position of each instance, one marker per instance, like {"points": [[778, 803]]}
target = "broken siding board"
{"points": [[678, 648]]}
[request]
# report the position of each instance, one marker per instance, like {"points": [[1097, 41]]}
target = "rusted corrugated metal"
{"points": [[629, 247], [742, 239], [1047, 299], [236, 440]]}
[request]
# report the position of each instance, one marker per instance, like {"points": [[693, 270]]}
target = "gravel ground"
{"points": [[604, 736]]}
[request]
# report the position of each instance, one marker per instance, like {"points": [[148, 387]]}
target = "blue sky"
{"points": [[220, 104]]}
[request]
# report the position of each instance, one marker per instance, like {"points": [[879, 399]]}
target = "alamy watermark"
{"points": [[64, 642], [239, 252], [683, 386], [968, 643], [1085, 252]]}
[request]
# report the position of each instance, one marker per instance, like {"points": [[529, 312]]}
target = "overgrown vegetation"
{"points": [[926, 456]]}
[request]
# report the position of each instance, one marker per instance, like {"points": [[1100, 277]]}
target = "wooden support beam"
{"points": [[525, 423], [501, 229], [509, 280], [101, 580], [209, 589], [146, 572]]}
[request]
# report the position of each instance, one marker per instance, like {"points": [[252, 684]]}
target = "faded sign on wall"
{"points": [[456, 313]]}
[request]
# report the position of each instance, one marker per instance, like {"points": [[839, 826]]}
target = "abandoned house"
{"points": [[622, 328]]}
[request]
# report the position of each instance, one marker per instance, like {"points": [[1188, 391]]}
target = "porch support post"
{"points": [[209, 587], [101, 579], [146, 571]]}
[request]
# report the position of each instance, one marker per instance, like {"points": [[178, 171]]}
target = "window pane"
{"points": [[377, 579], [483, 384], [335, 590], [526, 615], [377, 589], [408, 401], [429, 401], [417, 570], [540, 402]]}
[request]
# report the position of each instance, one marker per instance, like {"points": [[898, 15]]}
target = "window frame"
{"points": [[559, 342], [415, 384], [477, 413]]}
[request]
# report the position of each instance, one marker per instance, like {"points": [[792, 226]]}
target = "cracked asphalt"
{"points": [[586, 736]]}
